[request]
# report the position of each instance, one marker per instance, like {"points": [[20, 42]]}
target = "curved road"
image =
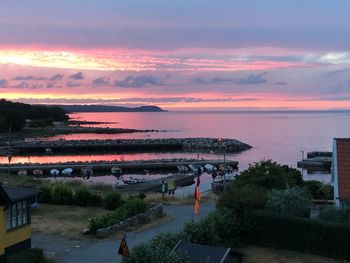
{"points": [[73, 251]]}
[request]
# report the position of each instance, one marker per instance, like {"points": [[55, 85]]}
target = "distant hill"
{"points": [[101, 108]]}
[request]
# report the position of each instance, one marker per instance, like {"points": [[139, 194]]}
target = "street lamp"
{"points": [[302, 162]]}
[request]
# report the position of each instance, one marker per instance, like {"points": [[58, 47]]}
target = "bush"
{"points": [[134, 206], [244, 198], [220, 227], [45, 195], [33, 255], [332, 214], [131, 207], [84, 197], [157, 250], [292, 201], [269, 175], [61, 194], [299, 234], [319, 190], [112, 200]]}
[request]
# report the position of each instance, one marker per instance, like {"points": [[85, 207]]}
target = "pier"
{"points": [[105, 167]]}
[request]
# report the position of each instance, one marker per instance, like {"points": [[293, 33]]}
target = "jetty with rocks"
{"points": [[207, 145]]}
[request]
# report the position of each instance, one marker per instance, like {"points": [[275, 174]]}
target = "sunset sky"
{"points": [[183, 54]]}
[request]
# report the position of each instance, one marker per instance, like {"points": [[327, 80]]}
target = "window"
{"points": [[17, 215]]}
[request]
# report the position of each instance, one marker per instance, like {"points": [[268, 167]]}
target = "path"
{"points": [[74, 251]]}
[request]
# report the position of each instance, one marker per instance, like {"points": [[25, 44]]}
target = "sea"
{"points": [[279, 136]]}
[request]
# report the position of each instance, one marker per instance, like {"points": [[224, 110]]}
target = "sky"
{"points": [[179, 55]]}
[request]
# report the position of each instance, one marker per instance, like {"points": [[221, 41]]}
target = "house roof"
{"points": [[201, 253], [343, 165], [12, 194]]}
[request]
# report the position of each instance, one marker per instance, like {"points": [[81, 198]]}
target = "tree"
{"points": [[292, 201]]}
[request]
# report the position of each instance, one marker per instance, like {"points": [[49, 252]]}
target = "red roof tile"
{"points": [[343, 163]]}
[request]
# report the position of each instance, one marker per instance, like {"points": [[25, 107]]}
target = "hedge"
{"points": [[299, 234]]}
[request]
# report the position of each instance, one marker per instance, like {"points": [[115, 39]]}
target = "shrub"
{"points": [[131, 207], [292, 201], [319, 190], [157, 250], [269, 175], [134, 206], [220, 227], [84, 197], [335, 215], [33, 255], [299, 234], [112, 200], [61, 194], [45, 195], [244, 198]]}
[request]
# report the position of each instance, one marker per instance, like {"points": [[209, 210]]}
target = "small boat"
{"points": [[183, 169], [38, 172], [87, 172], [67, 172], [54, 172], [116, 171], [196, 168], [208, 168], [22, 172], [134, 180]]}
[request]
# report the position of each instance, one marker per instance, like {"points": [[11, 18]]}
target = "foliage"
{"points": [[11, 118], [134, 206], [221, 226], [14, 114], [61, 194], [292, 201], [39, 123], [269, 175], [299, 234], [157, 250], [319, 190], [45, 195], [243, 198], [335, 215], [131, 207], [112, 200], [33, 255], [84, 197]]}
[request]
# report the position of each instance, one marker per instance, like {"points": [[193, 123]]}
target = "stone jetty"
{"points": [[208, 145], [105, 167]]}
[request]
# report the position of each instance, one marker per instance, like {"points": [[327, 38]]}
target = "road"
{"points": [[73, 251]]}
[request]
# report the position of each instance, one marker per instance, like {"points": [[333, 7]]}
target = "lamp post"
{"points": [[302, 162]]}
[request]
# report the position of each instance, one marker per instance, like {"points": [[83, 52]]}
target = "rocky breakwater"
{"points": [[212, 145]]}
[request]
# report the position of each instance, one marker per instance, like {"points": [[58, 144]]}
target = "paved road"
{"points": [[74, 251]]}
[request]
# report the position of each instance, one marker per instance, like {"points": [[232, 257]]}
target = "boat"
{"points": [[67, 172], [54, 172], [183, 169], [87, 171], [38, 172], [134, 181], [208, 168], [22, 172], [196, 168]]}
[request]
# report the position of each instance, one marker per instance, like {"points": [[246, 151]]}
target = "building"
{"points": [[197, 253], [15, 229], [341, 172]]}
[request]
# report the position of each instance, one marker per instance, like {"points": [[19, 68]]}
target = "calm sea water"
{"points": [[278, 136]]}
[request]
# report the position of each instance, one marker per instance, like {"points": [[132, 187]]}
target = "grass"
{"points": [[62, 220], [68, 221], [269, 255]]}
